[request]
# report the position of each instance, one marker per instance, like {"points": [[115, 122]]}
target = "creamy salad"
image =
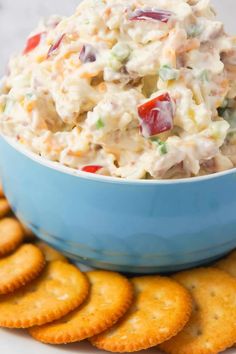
{"points": [[140, 89]]}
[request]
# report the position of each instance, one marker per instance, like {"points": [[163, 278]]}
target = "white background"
{"points": [[17, 19]]}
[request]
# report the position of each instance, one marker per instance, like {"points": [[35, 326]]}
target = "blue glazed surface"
{"points": [[129, 226]]}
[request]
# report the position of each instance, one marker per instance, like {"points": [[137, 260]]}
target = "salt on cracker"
{"points": [[60, 289], [4, 207], [212, 326], [11, 235], [228, 264], [21, 267], [50, 253], [110, 297], [160, 310]]}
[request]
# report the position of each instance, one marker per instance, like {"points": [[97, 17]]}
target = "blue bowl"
{"points": [[131, 226]]}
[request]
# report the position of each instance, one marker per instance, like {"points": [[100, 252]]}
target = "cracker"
{"points": [[60, 289], [21, 267], [29, 236], [160, 310], [228, 264], [1, 191], [50, 253], [11, 235], [4, 207], [211, 328], [111, 296]]}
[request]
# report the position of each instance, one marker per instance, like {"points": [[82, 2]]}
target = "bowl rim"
{"points": [[108, 179]]}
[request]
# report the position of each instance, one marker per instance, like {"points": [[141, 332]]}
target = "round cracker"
{"points": [[2, 195], [4, 207], [11, 235], [50, 253], [110, 297], [20, 268], [160, 310], [60, 289], [228, 264], [29, 236], [211, 328]]}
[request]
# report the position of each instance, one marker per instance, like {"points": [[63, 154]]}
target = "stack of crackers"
{"points": [[191, 312]]}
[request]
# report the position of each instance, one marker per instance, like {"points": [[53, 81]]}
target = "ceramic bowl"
{"points": [[132, 226]]}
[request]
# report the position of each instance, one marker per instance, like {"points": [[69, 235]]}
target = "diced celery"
{"points": [[204, 76], [194, 31], [100, 124], [121, 51], [167, 73], [162, 146], [114, 63], [8, 106]]}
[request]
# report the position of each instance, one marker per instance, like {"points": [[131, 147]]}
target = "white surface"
{"points": [[19, 342], [17, 18]]}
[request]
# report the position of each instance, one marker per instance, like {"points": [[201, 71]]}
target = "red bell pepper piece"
{"points": [[156, 115], [92, 168], [32, 43]]}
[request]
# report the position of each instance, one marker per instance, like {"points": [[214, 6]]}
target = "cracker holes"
{"points": [[157, 297], [164, 302], [134, 309], [195, 331], [199, 333], [32, 290], [192, 287], [15, 302], [155, 317], [99, 293], [37, 305], [64, 321], [195, 307]]}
